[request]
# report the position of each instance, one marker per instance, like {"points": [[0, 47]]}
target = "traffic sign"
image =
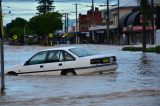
{"points": [[50, 35], [15, 37]]}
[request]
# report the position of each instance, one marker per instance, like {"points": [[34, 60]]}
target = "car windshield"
{"points": [[83, 52]]}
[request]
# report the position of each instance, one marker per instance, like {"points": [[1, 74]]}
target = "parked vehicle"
{"points": [[66, 61]]}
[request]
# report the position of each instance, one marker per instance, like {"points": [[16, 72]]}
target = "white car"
{"points": [[66, 61]]}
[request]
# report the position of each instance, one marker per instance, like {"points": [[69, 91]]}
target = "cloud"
{"points": [[54, 0]]}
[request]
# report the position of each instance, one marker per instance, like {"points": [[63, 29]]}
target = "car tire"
{"points": [[12, 73], [68, 72]]}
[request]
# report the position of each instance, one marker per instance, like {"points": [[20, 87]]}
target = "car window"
{"points": [[54, 56], [38, 58], [68, 57], [83, 52]]}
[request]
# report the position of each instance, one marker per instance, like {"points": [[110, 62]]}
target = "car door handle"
{"points": [[60, 64], [41, 66]]}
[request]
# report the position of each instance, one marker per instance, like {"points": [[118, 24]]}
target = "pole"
{"points": [[1, 52], [93, 20], [24, 35], [153, 32], [76, 25], [118, 22], [65, 23], [108, 21]]}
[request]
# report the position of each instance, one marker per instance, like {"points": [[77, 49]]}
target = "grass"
{"points": [[150, 49]]}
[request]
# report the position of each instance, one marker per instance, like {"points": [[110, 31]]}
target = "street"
{"points": [[135, 83]]}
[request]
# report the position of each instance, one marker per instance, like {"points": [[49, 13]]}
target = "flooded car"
{"points": [[66, 61]]}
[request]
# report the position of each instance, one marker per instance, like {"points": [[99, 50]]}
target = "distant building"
{"points": [[100, 30], [130, 26], [125, 30], [89, 19]]}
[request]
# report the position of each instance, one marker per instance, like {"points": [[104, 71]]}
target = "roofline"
{"points": [[123, 7]]}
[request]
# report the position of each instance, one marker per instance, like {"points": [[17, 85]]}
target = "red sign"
{"points": [[137, 28]]}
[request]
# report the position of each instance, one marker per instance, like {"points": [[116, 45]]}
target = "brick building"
{"points": [[86, 21], [89, 19]]}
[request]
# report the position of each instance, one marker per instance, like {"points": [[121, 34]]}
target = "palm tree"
{"points": [[145, 10]]}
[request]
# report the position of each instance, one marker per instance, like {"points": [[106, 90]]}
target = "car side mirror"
{"points": [[26, 63]]}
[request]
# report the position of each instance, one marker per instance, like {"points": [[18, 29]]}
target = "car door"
{"points": [[69, 61], [35, 64], [54, 62]]}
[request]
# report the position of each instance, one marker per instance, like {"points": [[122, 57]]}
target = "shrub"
{"points": [[158, 49], [132, 49], [151, 49]]}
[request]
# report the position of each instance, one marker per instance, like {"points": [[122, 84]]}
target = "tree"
{"points": [[44, 24], [45, 6], [145, 10], [16, 27]]}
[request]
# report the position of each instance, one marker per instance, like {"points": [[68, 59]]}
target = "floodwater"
{"points": [[136, 82]]}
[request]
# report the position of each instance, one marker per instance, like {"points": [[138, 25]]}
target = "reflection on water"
{"points": [[145, 64], [136, 82], [148, 64]]}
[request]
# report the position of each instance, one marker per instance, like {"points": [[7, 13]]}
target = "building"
{"points": [[100, 31], [128, 28], [88, 20]]}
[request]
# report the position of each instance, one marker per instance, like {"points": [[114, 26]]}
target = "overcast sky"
{"points": [[58, 0], [27, 8]]}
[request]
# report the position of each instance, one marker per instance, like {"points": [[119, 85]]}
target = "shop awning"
{"points": [[123, 20], [132, 18]]}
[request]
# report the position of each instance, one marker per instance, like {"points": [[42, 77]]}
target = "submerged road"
{"points": [[136, 82]]}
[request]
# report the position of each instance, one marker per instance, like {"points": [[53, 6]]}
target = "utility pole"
{"points": [[65, 22], [24, 35], [118, 22], [93, 20], [153, 17], [1, 48], [76, 24], [108, 21]]}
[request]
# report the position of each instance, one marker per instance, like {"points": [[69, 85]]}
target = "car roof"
{"points": [[61, 48]]}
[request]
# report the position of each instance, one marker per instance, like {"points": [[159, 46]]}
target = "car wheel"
{"points": [[68, 72], [12, 73]]}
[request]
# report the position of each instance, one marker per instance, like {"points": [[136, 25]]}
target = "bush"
{"points": [[157, 49], [132, 48], [151, 49]]}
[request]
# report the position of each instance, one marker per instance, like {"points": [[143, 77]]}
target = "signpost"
{"points": [[15, 37], [1, 50], [50, 36]]}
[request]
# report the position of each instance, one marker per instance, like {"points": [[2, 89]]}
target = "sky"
{"points": [[27, 8]]}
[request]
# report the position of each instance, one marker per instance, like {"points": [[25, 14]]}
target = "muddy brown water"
{"points": [[135, 83]]}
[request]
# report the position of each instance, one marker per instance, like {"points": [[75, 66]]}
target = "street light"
{"points": [[1, 48]]}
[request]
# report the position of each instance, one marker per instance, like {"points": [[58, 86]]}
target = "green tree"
{"points": [[145, 10], [45, 6], [16, 27], [44, 24]]}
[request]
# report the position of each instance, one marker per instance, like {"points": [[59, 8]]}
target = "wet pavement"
{"points": [[136, 82]]}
